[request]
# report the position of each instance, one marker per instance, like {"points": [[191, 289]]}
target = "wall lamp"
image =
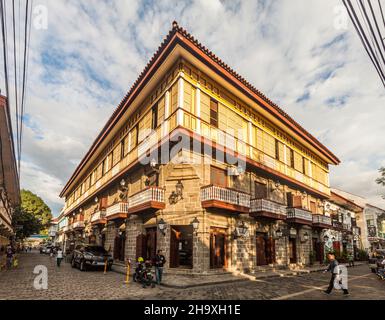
{"points": [[195, 225], [178, 193], [162, 226]]}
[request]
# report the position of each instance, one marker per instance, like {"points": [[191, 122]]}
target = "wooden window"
{"points": [[305, 164], [109, 162], [214, 113], [154, 120], [298, 165], [116, 155], [277, 150], [99, 171], [144, 126], [133, 139], [218, 177], [104, 167], [260, 191], [125, 146], [291, 158], [313, 207]]}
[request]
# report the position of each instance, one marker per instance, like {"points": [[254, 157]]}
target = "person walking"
{"points": [[9, 258], [160, 260], [335, 271], [59, 257], [351, 259]]}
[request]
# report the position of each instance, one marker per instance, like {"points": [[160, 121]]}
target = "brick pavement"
{"points": [[68, 283]]}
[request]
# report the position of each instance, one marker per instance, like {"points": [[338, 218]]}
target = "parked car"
{"points": [[86, 256], [376, 260]]}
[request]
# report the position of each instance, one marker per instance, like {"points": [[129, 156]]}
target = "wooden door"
{"points": [[261, 250], [218, 177], [140, 246], [260, 190], [218, 248], [293, 250], [151, 243], [270, 250], [174, 249], [318, 249], [313, 207]]}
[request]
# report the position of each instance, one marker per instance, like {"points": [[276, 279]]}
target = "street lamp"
{"points": [[326, 238], [195, 224], [241, 230], [305, 237], [162, 226]]}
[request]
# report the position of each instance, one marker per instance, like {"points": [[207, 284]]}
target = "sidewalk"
{"points": [[190, 281]]}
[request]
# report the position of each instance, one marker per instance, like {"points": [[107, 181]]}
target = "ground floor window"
{"points": [[181, 247], [318, 249]]}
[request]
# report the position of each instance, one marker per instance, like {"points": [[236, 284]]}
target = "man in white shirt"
{"points": [[59, 257]]}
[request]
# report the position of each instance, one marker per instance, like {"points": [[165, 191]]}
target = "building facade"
{"points": [[198, 163], [371, 221], [9, 181]]}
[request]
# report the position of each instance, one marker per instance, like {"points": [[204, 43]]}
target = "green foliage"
{"points": [[362, 255], [31, 204], [25, 223]]}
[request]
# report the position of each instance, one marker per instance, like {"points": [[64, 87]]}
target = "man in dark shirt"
{"points": [[160, 260], [334, 270]]}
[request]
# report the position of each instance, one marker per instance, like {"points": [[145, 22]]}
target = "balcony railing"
{"points": [[337, 225], [78, 225], [225, 198], [299, 215], [321, 220], [267, 208], [99, 217], [356, 230], [346, 227], [152, 197], [117, 210]]}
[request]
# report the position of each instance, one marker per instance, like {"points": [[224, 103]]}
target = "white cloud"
{"points": [[81, 67]]}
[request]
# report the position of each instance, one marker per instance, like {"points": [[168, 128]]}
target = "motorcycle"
{"points": [[144, 274]]}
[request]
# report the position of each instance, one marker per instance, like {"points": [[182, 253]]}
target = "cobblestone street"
{"points": [[68, 283]]}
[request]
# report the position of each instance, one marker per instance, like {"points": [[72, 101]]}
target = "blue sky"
{"points": [[291, 50]]}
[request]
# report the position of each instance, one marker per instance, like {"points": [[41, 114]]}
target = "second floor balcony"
{"points": [[346, 227], [322, 221], [300, 216], [78, 225], [337, 225], [99, 217], [118, 210], [267, 209], [150, 198], [213, 196]]}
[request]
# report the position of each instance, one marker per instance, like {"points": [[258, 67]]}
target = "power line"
{"points": [[15, 68], [371, 51]]}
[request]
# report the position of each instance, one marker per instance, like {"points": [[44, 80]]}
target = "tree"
{"points": [[381, 179], [25, 223], [31, 204]]}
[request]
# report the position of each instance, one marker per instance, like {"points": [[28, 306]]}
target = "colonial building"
{"points": [[197, 162], [371, 221], [345, 236], [9, 181]]}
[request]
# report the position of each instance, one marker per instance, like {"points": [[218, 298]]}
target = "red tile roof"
{"points": [[176, 34]]}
